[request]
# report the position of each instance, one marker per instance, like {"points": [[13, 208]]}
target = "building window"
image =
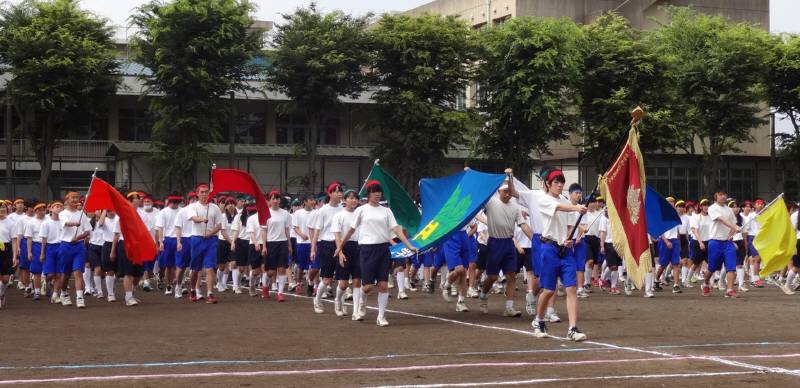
{"points": [[658, 179], [738, 182], [461, 100], [135, 125], [293, 129], [250, 128], [685, 182]]}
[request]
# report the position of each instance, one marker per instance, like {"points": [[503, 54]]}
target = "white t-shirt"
{"points": [[324, 220], [7, 226], [672, 233], [605, 226], [300, 220], [554, 222], [109, 224], [277, 223], [702, 224], [793, 219], [253, 230], [718, 230], [753, 227], [19, 226], [199, 210], [227, 226], [375, 223], [118, 230], [593, 222], [483, 233], [69, 232], [51, 230], [166, 221], [341, 224], [149, 219], [96, 237], [183, 220], [683, 228], [236, 226], [32, 229], [530, 200], [521, 239]]}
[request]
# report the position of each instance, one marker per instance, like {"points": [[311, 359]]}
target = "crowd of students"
{"points": [[337, 245]]}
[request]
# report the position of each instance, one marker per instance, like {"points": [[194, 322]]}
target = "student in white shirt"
{"points": [[277, 243], [6, 254], [699, 225], [669, 253], [721, 250], [554, 211], [226, 243], [375, 225], [254, 231], [34, 247], [107, 223], [750, 234], [683, 238], [183, 245], [94, 253], [206, 223], [241, 249], [148, 215], [323, 242], [50, 234], [349, 264], [20, 247], [166, 241], [300, 221], [794, 268], [72, 251], [741, 250]]}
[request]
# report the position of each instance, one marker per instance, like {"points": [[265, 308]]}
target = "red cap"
{"points": [[760, 202], [553, 174], [251, 209], [230, 201], [333, 187], [275, 193], [174, 198], [371, 183], [191, 194]]}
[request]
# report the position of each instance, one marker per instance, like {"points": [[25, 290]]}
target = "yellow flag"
{"points": [[776, 241]]}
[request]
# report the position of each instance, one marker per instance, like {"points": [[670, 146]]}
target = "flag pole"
{"points": [[636, 118], [86, 199], [376, 163], [210, 190]]}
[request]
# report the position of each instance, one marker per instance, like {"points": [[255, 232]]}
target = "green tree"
{"points": [[621, 72], [318, 59], [198, 51], [783, 91], [715, 69], [62, 65], [528, 87], [423, 65]]}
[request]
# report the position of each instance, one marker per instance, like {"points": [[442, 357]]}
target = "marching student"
{"points": [[34, 247], [752, 231], [457, 257], [72, 251], [107, 222], [94, 255], [7, 254], [166, 241], [255, 259], [794, 267], [612, 258], [277, 248], [529, 199], [579, 245], [50, 233], [741, 250], [554, 211], [207, 222], [241, 249], [148, 215], [477, 266], [700, 225], [323, 242], [349, 265], [125, 268], [20, 247], [502, 216], [669, 253], [226, 243], [593, 244], [683, 238], [183, 245], [375, 225], [721, 250], [300, 221]]}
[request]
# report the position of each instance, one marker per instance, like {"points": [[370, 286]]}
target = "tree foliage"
{"points": [[423, 65], [318, 59], [783, 91], [716, 70], [528, 83], [63, 69], [198, 51], [621, 72]]}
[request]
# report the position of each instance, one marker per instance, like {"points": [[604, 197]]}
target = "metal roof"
{"points": [[139, 147]]}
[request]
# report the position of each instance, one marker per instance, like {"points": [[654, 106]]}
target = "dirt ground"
{"points": [[673, 339]]}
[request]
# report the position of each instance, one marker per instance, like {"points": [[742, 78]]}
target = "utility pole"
{"points": [[231, 132], [9, 144]]}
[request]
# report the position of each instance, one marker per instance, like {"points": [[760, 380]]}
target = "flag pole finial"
{"points": [[377, 161], [636, 115]]}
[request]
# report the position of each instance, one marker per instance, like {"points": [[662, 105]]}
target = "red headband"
{"points": [[274, 193], [70, 195], [760, 201], [201, 186], [372, 183], [192, 194], [333, 187], [553, 174]]}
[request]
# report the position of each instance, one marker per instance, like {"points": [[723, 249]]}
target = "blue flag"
{"points": [[661, 216], [449, 204]]}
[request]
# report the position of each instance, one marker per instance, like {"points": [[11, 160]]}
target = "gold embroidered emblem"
{"points": [[634, 204]]}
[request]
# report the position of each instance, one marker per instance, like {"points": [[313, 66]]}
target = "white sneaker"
{"points": [[539, 329], [471, 293], [130, 302], [786, 290], [446, 294], [112, 298], [337, 308], [100, 295], [552, 317], [512, 312], [575, 335], [402, 295], [484, 306], [55, 299], [66, 301], [168, 291], [649, 294], [461, 307], [80, 303], [382, 322], [237, 290], [357, 317], [318, 308], [743, 289], [582, 294], [348, 293], [530, 304]]}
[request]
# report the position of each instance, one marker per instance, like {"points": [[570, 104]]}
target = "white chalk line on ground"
{"points": [[570, 379]]}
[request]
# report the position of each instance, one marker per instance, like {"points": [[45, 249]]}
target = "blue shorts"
{"points": [[204, 253], [502, 256], [668, 256], [456, 250], [719, 252], [36, 265], [473, 249], [303, 257], [580, 256], [438, 258], [374, 262], [183, 257], [167, 257], [555, 267], [536, 253], [71, 257], [752, 249], [24, 262], [427, 258], [51, 258]]}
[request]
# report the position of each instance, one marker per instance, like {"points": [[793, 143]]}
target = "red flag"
{"points": [[624, 185], [139, 244], [232, 180]]}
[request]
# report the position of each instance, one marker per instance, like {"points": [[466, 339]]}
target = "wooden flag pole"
{"points": [[80, 218]]}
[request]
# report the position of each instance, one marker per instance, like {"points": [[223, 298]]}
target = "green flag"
{"points": [[403, 207]]}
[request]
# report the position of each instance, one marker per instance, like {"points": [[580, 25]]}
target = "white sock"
{"points": [[128, 295], [740, 276], [219, 277], [110, 285], [588, 269], [198, 292], [339, 294], [509, 303], [320, 290], [753, 273], [79, 294], [225, 279], [684, 275], [401, 281], [209, 291], [87, 279], [98, 284], [614, 278], [790, 277], [604, 276], [281, 283], [383, 301], [264, 280], [235, 277], [2, 288], [648, 282], [356, 299]]}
